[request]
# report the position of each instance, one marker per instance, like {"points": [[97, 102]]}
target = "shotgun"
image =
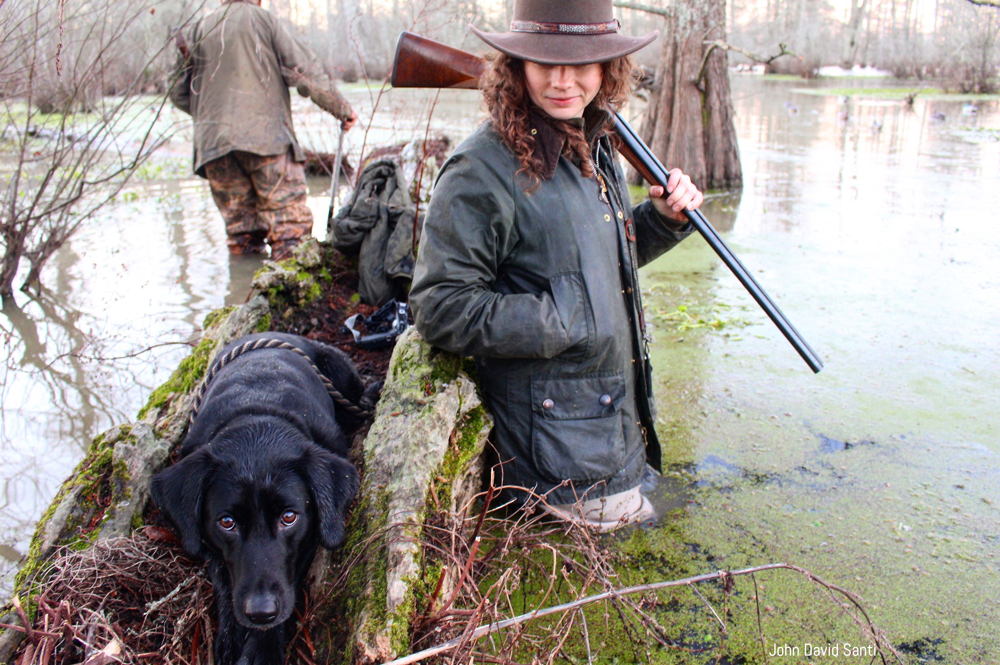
{"points": [[181, 44], [424, 63]]}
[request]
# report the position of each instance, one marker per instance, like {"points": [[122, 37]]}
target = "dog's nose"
{"points": [[261, 609]]}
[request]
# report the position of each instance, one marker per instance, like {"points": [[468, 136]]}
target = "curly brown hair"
{"points": [[505, 91]]}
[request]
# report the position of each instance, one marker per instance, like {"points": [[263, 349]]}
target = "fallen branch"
{"points": [[643, 588]]}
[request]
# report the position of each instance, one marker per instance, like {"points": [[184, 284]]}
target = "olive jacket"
{"points": [[541, 288], [236, 85]]}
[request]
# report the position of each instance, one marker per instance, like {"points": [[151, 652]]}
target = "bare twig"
{"points": [[725, 46], [639, 7]]}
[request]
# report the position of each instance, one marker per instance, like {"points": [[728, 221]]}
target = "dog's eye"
{"points": [[288, 517], [227, 523]]}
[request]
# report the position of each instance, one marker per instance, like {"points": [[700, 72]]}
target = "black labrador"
{"points": [[262, 481]]}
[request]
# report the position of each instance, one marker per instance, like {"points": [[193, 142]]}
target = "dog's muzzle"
{"points": [[261, 609]]}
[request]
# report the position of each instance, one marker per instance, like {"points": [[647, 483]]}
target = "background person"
{"points": [[529, 256], [243, 62]]}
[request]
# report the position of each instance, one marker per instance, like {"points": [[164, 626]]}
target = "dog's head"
{"points": [[259, 499]]}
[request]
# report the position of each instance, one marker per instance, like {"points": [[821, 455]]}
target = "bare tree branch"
{"points": [[986, 3], [725, 46], [649, 9]]}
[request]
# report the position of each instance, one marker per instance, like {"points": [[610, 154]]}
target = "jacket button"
{"points": [[548, 405], [607, 218], [620, 215], [606, 400]]}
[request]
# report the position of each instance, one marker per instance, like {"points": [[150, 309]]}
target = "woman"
{"points": [[528, 262]]}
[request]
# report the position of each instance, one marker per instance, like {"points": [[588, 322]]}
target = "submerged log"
{"points": [[423, 446]]}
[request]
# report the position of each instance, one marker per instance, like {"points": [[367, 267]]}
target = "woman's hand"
{"points": [[683, 196], [350, 121]]}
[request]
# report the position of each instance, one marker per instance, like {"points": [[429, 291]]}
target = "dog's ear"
{"points": [[334, 482], [177, 491]]}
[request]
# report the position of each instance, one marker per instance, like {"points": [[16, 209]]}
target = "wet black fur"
{"points": [[267, 439]]}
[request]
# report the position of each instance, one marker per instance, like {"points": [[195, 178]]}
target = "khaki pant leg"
{"points": [[234, 195], [280, 183]]}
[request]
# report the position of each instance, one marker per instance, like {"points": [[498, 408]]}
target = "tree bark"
{"points": [[849, 54], [689, 120]]}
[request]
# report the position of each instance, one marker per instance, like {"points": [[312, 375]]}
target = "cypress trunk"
{"points": [[689, 120]]}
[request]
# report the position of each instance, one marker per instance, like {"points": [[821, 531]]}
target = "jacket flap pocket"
{"points": [[573, 398]]}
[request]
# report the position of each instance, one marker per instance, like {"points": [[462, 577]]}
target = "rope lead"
{"points": [[264, 343]]}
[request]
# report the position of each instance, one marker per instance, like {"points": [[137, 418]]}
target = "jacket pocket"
{"points": [[577, 431], [570, 296]]}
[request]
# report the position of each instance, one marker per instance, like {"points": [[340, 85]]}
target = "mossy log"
{"points": [[424, 445], [423, 451]]}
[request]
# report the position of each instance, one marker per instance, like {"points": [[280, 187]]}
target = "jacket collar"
{"points": [[549, 141]]}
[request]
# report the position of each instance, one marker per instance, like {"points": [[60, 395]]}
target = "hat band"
{"points": [[565, 28]]}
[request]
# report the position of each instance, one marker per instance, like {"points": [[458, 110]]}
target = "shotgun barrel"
{"points": [[424, 63], [639, 155]]}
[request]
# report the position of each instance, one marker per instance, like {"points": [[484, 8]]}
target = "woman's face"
{"points": [[563, 91]]}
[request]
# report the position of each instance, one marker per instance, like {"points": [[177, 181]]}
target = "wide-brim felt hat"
{"points": [[564, 32]]}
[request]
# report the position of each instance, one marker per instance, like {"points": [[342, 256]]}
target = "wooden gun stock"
{"points": [[181, 44], [424, 63]]}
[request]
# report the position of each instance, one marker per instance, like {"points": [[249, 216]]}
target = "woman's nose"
{"points": [[562, 77]]}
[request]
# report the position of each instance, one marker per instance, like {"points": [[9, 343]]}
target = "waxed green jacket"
{"points": [[243, 61], [541, 288]]}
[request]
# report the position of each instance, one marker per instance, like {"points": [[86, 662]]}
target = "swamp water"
{"points": [[870, 225]]}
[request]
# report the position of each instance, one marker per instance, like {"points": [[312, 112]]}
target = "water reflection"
{"points": [[126, 297], [871, 225]]}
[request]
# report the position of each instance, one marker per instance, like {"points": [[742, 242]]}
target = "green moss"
{"points": [[444, 367], [90, 479], [366, 586], [312, 293], [400, 620], [299, 291], [35, 565], [264, 325], [424, 587], [462, 451], [184, 379], [216, 316]]}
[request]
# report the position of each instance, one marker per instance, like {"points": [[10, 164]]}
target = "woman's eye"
{"points": [[227, 523], [288, 517]]}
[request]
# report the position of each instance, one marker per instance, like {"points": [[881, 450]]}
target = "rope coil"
{"points": [[363, 409]]}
